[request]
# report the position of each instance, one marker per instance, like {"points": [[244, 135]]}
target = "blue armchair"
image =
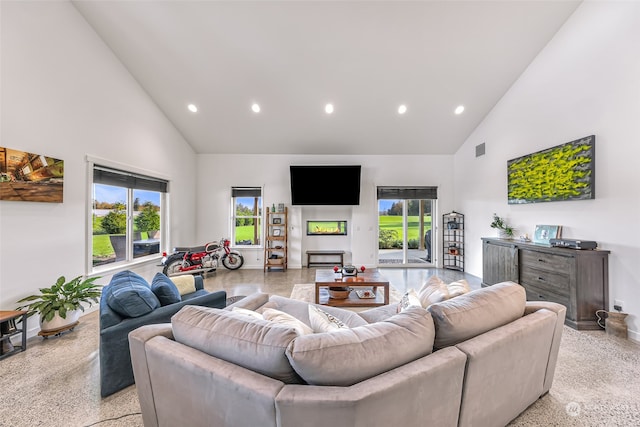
{"points": [[129, 302]]}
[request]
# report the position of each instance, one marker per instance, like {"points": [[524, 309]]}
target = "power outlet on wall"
{"points": [[618, 304]]}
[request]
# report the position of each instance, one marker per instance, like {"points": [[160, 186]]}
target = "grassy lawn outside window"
{"points": [[126, 216], [247, 216]]}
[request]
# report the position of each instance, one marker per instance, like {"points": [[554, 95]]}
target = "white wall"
{"points": [[218, 173], [65, 95], [586, 81]]}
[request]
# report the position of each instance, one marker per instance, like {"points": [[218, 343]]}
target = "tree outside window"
{"points": [[247, 216], [148, 218], [126, 216]]}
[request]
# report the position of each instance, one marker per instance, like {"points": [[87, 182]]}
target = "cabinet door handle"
{"points": [[541, 260], [541, 279]]}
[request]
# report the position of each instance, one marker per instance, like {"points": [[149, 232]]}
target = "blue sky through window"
{"points": [[384, 205], [112, 194], [248, 201]]}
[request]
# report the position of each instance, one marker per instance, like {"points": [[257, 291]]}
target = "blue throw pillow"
{"points": [[129, 295], [166, 291]]}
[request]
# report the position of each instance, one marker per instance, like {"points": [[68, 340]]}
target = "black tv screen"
{"points": [[325, 185]]}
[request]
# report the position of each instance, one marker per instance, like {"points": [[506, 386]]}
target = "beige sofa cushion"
{"points": [[252, 343], [378, 314], [476, 312], [348, 356]]}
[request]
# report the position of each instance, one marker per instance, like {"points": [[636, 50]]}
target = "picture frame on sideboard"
{"points": [[544, 233]]}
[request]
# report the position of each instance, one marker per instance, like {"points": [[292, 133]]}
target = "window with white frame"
{"points": [[247, 216], [126, 216]]}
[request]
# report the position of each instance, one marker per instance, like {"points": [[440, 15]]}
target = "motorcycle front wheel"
{"points": [[174, 266], [233, 261]]}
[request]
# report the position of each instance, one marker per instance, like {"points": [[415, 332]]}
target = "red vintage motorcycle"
{"points": [[201, 259]]}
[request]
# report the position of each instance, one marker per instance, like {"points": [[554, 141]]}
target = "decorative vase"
{"points": [[58, 322]]}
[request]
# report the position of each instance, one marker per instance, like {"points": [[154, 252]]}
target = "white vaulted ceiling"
{"points": [[293, 57]]}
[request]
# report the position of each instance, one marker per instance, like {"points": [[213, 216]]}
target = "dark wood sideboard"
{"points": [[578, 279]]}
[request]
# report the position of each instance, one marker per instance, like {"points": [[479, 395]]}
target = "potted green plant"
{"points": [[504, 230], [61, 304]]}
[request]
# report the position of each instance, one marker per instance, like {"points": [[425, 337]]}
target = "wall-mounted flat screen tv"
{"points": [[325, 185], [563, 172]]}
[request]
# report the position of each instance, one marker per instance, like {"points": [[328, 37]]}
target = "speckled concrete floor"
{"points": [[56, 381]]}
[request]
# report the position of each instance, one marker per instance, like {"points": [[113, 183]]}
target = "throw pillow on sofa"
{"points": [[248, 312], [129, 295], [352, 355], [186, 284], [434, 290], [321, 321], [255, 344], [409, 299], [457, 288], [300, 310], [282, 318], [165, 290]]}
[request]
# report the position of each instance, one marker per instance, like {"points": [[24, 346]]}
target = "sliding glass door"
{"points": [[405, 226]]}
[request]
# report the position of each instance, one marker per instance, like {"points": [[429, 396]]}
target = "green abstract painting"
{"points": [[563, 172]]}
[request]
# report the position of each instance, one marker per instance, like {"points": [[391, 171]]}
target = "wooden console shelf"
{"points": [[578, 279], [275, 246], [332, 253]]}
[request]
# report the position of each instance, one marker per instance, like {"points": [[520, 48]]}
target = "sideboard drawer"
{"points": [[542, 279], [545, 261], [536, 294]]}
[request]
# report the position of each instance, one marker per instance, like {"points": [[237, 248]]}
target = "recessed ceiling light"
{"points": [[192, 108], [459, 109], [328, 108], [255, 108], [402, 109]]}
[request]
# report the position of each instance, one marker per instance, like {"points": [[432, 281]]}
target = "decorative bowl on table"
{"points": [[339, 292], [349, 270]]}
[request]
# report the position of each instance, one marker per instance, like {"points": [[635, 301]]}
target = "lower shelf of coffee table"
{"points": [[353, 300]]}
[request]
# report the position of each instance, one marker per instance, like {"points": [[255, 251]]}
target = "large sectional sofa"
{"points": [[479, 359]]}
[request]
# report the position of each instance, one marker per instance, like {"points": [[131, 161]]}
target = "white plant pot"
{"points": [[58, 322], [503, 235]]}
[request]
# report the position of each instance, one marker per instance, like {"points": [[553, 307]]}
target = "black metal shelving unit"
{"points": [[453, 241]]}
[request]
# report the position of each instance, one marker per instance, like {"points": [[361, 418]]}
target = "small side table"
{"points": [[8, 329]]}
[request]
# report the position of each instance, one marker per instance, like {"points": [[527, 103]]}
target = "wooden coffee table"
{"points": [[326, 278]]}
